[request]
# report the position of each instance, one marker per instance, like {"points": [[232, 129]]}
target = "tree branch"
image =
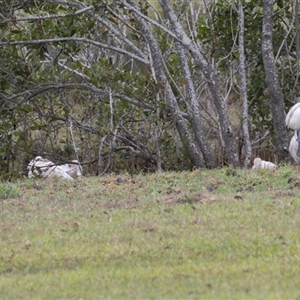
{"points": [[153, 22], [37, 18], [31, 93], [110, 27], [76, 39], [51, 60]]}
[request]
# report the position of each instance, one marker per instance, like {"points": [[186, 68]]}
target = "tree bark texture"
{"points": [[194, 111], [243, 88], [170, 98], [276, 96], [211, 80]]}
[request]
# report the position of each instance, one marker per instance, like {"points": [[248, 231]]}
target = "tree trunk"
{"points": [[243, 88], [276, 96], [209, 76], [170, 98], [194, 110]]}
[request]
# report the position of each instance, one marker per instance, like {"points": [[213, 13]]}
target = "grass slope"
{"points": [[207, 234]]}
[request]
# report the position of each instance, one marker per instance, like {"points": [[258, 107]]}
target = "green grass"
{"points": [[8, 190], [207, 234]]}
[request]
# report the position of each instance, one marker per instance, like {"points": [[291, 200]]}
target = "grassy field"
{"points": [[207, 234]]}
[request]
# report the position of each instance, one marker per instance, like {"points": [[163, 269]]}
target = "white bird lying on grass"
{"points": [[42, 167], [292, 120], [258, 163]]}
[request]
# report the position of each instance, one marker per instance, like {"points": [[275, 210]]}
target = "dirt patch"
{"points": [[191, 199], [130, 203], [283, 194]]}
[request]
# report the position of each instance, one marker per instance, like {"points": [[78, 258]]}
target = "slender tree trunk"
{"points": [[276, 96], [195, 108], [170, 98], [297, 41], [209, 76], [243, 87], [156, 136]]}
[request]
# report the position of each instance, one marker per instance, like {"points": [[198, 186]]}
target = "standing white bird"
{"points": [[292, 121], [294, 147]]}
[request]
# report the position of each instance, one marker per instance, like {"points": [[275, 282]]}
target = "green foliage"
{"points": [[220, 40]]}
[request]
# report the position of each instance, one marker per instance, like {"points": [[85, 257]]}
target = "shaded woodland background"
{"points": [[144, 86]]}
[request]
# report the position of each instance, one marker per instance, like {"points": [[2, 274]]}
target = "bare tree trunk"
{"points": [[277, 103], [156, 137], [170, 98], [243, 87], [209, 76], [297, 41], [194, 109], [100, 156]]}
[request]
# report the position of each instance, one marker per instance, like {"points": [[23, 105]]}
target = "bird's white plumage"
{"points": [[42, 167], [292, 119], [293, 148], [258, 163], [74, 169]]}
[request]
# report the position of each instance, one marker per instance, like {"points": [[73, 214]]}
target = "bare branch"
{"points": [[166, 30], [134, 102], [31, 93], [51, 60], [37, 18], [109, 26], [45, 87], [132, 152], [66, 3], [76, 39]]}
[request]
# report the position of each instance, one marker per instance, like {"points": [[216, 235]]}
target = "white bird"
{"points": [[74, 169], [42, 167], [56, 171], [294, 147], [292, 120], [38, 166], [258, 163]]}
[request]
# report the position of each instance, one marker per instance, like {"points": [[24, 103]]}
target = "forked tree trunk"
{"points": [[194, 110], [170, 98], [209, 75]]}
